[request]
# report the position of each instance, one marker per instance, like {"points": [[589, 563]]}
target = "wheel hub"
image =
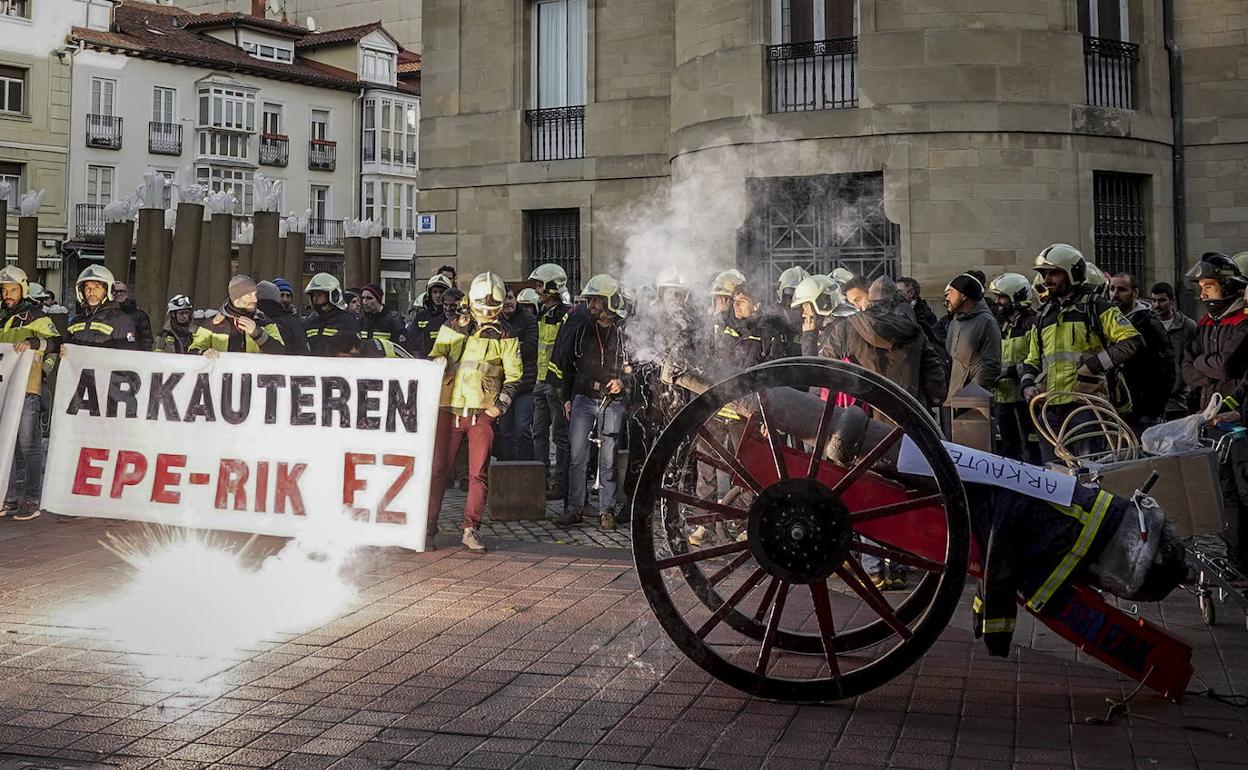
{"points": [[799, 530]]}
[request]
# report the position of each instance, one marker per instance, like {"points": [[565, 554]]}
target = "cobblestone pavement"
{"points": [[545, 656], [544, 531]]}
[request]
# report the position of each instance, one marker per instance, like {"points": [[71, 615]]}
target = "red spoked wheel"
{"points": [[783, 605]]}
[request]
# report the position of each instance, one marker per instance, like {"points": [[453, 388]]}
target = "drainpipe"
{"points": [[1178, 170]]}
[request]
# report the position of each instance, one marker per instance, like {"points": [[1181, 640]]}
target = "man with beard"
{"points": [[26, 327], [286, 294], [100, 323], [1080, 337], [1148, 376], [142, 323], [376, 322], [1216, 358], [973, 339], [1180, 329], [423, 328], [270, 301], [1011, 295], [329, 315], [238, 327], [175, 336]]}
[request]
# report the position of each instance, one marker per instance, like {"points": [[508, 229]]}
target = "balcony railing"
{"points": [[274, 150], [104, 131], [557, 133], [322, 154], [819, 75], [325, 233], [1109, 72], [164, 138], [89, 222]]}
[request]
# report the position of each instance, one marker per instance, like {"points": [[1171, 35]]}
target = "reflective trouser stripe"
{"points": [[999, 626], [1091, 525]]}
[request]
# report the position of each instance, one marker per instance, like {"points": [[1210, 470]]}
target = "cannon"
{"points": [[781, 606]]}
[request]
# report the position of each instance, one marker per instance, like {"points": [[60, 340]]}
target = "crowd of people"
{"points": [[529, 366]]}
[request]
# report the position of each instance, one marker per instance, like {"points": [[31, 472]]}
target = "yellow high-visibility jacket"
{"points": [[483, 367], [1083, 331], [30, 323]]}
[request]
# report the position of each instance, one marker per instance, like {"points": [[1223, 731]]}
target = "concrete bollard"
{"points": [[372, 272], [219, 253], [149, 283], [353, 262], [293, 269], [517, 490], [264, 254], [28, 246], [184, 258], [118, 238]]}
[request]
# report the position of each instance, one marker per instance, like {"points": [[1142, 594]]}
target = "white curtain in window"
{"points": [[561, 43]]}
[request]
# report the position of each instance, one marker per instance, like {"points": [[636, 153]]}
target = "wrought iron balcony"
{"points": [[322, 154], [104, 131], [164, 138], [1109, 72], [89, 222], [325, 233], [557, 133], [819, 75], [274, 150]]}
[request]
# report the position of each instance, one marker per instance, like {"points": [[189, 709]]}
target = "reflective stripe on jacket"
{"points": [[30, 323], [549, 322], [1086, 331], [483, 367], [1015, 345], [221, 335]]}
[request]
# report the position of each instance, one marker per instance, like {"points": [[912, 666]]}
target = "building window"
{"points": [[808, 21], [409, 212], [12, 90], [320, 125], [269, 52], [11, 174], [271, 119], [221, 144], [103, 93], [100, 184], [163, 105], [236, 180], [370, 130], [318, 196], [99, 14], [370, 200], [16, 9], [557, 124], [1119, 227], [390, 128], [1109, 58], [555, 236], [229, 108], [378, 66], [813, 61]]}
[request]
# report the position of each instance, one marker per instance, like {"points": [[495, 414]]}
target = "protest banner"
{"points": [[14, 371], [979, 467], [273, 445]]}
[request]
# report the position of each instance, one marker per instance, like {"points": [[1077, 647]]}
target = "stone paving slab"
{"points": [[544, 531], [541, 655]]}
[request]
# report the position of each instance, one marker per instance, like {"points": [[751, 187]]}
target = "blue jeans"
{"points": [[610, 427], [549, 422], [513, 437], [26, 476]]}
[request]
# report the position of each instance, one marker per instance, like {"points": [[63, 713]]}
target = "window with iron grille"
{"points": [[1120, 230], [555, 236]]}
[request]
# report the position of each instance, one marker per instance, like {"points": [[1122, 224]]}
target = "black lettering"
{"points": [[160, 396], [201, 401], [403, 408], [366, 405], [228, 412], [85, 395], [270, 383], [123, 388], [335, 397], [299, 400]]}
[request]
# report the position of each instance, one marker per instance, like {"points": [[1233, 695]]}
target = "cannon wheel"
{"points": [[801, 538]]}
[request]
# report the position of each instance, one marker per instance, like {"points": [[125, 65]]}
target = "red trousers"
{"points": [[451, 430]]}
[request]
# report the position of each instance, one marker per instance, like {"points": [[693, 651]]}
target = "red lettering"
{"points": [[287, 488], [262, 486], [232, 480], [408, 464], [87, 471], [130, 469], [352, 484], [164, 480]]}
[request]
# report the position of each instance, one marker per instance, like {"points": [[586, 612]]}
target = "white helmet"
{"points": [[841, 276], [669, 278], [485, 297], [727, 281], [789, 280], [823, 293], [603, 285], [554, 279]]}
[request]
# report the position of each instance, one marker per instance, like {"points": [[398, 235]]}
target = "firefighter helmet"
{"points": [[603, 285], [328, 284], [724, 283], [528, 297], [670, 278], [1014, 286], [37, 291], [1241, 261], [99, 274], [553, 279], [180, 302], [1042, 291], [789, 279], [485, 297], [1068, 259], [820, 291], [14, 274], [1095, 277], [437, 279], [1221, 268], [842, 276]]}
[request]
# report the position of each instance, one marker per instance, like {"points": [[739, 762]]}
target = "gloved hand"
{"points": [[1030, 392]]}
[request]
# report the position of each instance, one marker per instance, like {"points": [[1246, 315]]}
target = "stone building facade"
{"points": [[913, 137]]}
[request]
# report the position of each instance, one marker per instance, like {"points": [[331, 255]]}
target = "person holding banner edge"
{"points": [[483, 371], [26, 327]]}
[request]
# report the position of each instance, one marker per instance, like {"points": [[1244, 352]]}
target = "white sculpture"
{"points": [[283, 228], [297, 224], [220, 202], [120, 210], [268, 193], [151, 193], [30, 202], [246, 233], [171, 219], [187, 188], [351, 228]]}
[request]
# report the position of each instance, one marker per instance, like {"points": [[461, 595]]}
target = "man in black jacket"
{"points": [[175, 336], [329, 315], [101, 323], [269, 301], [1149, 373], [513, 439], [1216, 358], [428, 318], [376, 322], [142, 323]]}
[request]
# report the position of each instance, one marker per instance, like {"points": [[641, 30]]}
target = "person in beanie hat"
{"points": [[378, 323], [973, 339], [238, 326], [286, 292], [269, 301]]}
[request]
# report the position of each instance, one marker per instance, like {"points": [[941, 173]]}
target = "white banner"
{"points": [[14, 374], [979, 467], [276, 445]]}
